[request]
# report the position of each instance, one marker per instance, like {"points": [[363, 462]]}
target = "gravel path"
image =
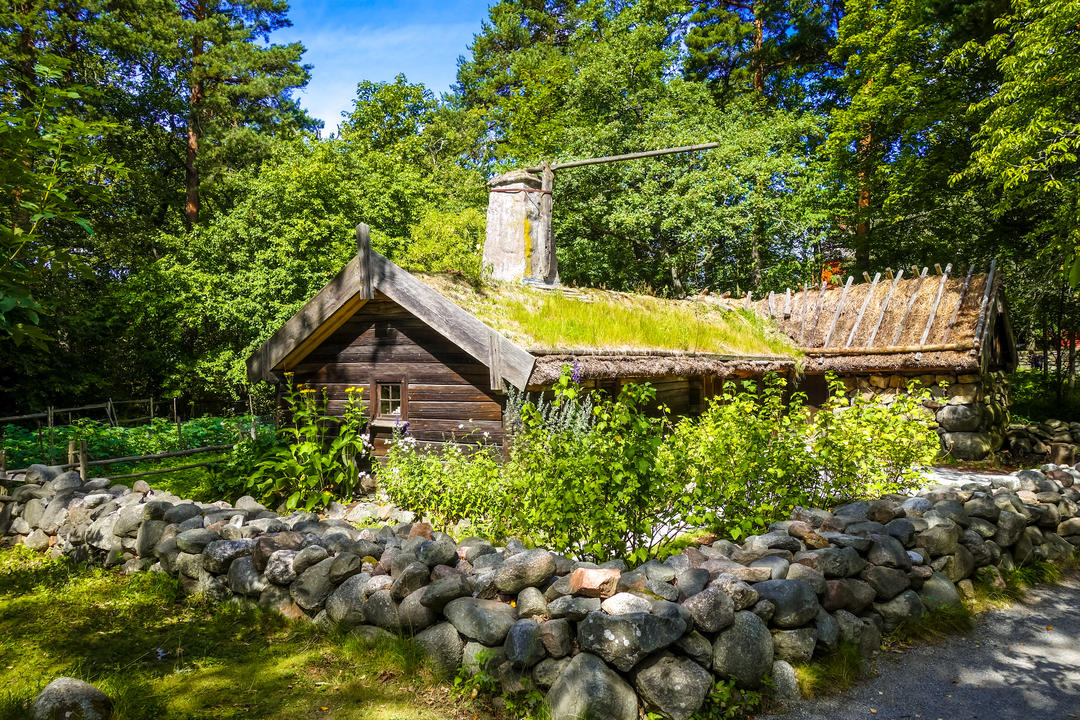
{"points": [[1020, 663]]}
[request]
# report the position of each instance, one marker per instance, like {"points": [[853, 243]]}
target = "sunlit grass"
{"points": [[599, 319], [158, 655]]}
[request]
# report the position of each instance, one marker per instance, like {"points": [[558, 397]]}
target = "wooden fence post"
{"points": [[83, 459], [52, 439], [3, 465], [72, 454], [179, 431]]}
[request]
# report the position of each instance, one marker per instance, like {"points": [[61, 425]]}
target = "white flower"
{"points": [[461, 426]]}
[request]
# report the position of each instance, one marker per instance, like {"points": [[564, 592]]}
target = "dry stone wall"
{"points": [[600, 641], [972, 410]]}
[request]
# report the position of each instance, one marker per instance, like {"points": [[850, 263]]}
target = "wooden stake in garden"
{"points": [[72, 453], [84, 458], [52, 443], [179, 430]]}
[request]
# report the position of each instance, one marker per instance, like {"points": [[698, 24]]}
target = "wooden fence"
{"points": [[78, 457]]}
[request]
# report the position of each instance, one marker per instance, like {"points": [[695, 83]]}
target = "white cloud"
{"points": [[344, 57]]}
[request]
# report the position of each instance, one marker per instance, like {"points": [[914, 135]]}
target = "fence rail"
{"points": [[83, 462]]}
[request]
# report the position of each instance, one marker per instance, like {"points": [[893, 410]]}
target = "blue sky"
{"points": [[375, 40]]}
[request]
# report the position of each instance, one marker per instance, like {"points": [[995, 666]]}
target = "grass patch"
{"points": [[545, 320], [159, 655], [934, 626], [832, 673]]}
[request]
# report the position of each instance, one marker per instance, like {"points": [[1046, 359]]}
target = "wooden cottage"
{"points": [[950, 332], [440, 354]]}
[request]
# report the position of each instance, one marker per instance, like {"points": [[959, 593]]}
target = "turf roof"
{"points": [[589, 319]]}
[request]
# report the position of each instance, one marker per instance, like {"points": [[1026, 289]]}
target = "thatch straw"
{"points": [[593, 365], [914, 312]]}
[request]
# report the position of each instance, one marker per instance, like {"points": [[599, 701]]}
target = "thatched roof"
{"points": [[928, 322], [592, 365]]}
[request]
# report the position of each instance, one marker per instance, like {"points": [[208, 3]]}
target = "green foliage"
{"points": [[460, 483], [1032, 398], [728, 702], [754, 454], [602, 477], [52, 167], [592, 491], [442, 242], [868, 447], [319, 457], [830, 673], [525, 702], [104, 440]]}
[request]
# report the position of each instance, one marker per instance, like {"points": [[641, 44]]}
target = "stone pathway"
{"points": [[1020, 663]]}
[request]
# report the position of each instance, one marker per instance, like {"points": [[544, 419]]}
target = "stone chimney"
{"points": [[519, 244]]}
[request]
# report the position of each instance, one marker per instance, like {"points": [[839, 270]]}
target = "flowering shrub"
{"points": [[318, 457]]}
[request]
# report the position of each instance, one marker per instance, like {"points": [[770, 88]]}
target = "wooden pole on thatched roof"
{"points": [[839, 309], [933, 310], [985, 302], [959, 303], [862, 310], [817, 314], [885, 305], [911, 304]]}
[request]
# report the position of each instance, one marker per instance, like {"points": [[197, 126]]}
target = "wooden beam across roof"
{"points": [[365, 274]]}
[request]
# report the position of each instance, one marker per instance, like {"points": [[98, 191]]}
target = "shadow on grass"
{"points": [[160, 656]]}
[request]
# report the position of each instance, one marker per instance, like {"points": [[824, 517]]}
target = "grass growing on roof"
{"points": [[160, 656], [601, 319]]}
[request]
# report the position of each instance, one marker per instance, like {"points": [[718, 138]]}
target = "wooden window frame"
{"points": [[380, 420]]}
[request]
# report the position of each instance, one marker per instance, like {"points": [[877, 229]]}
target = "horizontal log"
{"points": [[164, 470], [891, 350], [359, 373], [454, 411], [142, 458]]}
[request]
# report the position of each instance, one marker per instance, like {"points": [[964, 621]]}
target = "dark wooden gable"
{"points": [[446, 392]]}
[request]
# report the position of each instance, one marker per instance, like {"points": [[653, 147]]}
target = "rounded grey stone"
{"points": [[485, 621], [744, 651], [68, 698], [796, 602], [524, 646], [712, 609], [526, 568], [442, 646], [675, 687], [590, 690]]}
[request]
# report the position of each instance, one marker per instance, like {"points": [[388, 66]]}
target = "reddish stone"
{"points": [[594, 582], [420, 529]]}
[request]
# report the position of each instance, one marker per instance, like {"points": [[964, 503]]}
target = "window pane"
{"points": [[390, 399]]}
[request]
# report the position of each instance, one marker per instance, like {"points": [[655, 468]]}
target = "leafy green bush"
{"points": [[603, 477], [461, 482], [592, 489], [317, 457], [745, 460], [868, 447]]}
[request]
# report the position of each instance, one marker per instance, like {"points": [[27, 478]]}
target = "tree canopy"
{"points": [[169, 203]]}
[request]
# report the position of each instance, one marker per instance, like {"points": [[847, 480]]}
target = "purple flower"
{"points": [[575, 374]]}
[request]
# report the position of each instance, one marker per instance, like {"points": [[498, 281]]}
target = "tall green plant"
{"points": [[745, 460], [318, 457]]}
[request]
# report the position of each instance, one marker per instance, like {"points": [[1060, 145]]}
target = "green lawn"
{"points": [[162, 656]]}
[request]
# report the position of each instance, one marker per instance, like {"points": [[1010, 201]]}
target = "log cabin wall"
{"points": [[444, 391]]}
